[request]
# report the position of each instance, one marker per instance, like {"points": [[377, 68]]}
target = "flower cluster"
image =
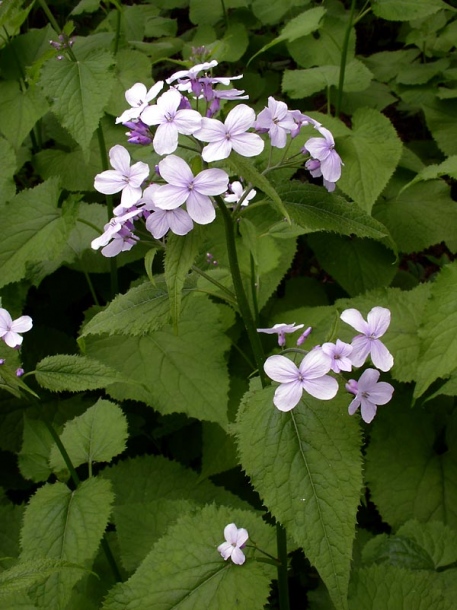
{"points": [[172, 198], [311, 375]]}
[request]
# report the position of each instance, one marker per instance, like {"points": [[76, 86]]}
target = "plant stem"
{"points": [[283, 587], [344, 54], [50, 16], [221, 287]]}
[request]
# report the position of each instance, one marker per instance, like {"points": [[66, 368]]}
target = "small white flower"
{"points": [[138, 97], [235, 538], [281, 330], [9, 329]]}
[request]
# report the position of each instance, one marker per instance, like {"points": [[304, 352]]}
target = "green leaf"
{"points": [[185, 570], [303, 83], [60, 524], [408, 475], [390, 588], [271, 12], [10, 526], [420, 216], [437, 539], [184, 373], [79, 92], [446, 168], [314, 209], [33, 229], [74, 373], [370, 154], [406, 10], [357, 265], [298, 27], [306, 466], [245, 169], [180, 255], [33, 459], [219, 450], [19, 111], [440, 119], [397, 550], [144, 308], [438, 341], [97, 435], [8, 164]]}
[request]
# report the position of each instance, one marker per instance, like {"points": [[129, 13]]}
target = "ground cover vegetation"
{"points": [[228, 354]]}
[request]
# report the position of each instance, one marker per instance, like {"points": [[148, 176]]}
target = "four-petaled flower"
{"points": [[122, 178], [171, 121], [10, 329], [138, 97], [194, 191], [369, 394], [238, 191], [235, 538], [277, 120], [311, 376], [340, 353], [281, 330], [323, 149], [223, 137], [368, 342], [160, 221]]}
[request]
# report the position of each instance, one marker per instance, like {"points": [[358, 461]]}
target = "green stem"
{"points": [[283, 588], [109, 205], [240, 293], [344, 54], [224, 289], [50, 16], [91, 286]]}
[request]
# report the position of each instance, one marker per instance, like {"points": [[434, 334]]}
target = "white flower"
{"points": [[369, 394], [238, 192], [138, 97], [235, 540], [9, 329], [281, 330]]}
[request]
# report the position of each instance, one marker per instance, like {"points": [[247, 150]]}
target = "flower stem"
{"points": [[283, 586], [243, 304], [344, 54]]}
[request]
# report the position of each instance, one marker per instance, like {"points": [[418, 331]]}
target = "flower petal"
{"points": [[240, 119], [324, 388], [175, 170], [200, 208], [280, 368], [216, 151], [165, 139], [288, 395], [378, 321], [354, 405], [231, 533], [361, 347], [5, 321], [225, 549], [238, 556], [241, 537], [380, 356], [315, 364], [120, 159], [354, 318], [211, 182], [180, 222], [22, 324], [368, 410], [109, 182], [247, 144], [157, 223], [169, 197], [12, 339]]}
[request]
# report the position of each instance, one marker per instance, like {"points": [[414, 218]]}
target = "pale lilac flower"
{"points": [[311, 376], [352, 386], [232, 134], [277, 120], [238, 192], [340, 353], [159, 222], [281, 330], [369, 394], [235, 538], [323, 149], [314, 168], [300, 120], [122, 241], [10, 329], [171, 121], [138, 97], [122, 178], [113, 227], [195, 192], [368, 342], [186, 78], [139, 133], [19, 372], [305, 334]]}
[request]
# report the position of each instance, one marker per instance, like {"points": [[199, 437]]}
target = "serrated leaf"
{"points": [[36, 445], [244, 168], [33, 229], [180, 255], [304, 83], [142, 309], [306, 466], [60, 524], [370, 154], [19, 111], [74, 373], [97, 435], [79, 92], [408, 478], [185, 570], [27, 573], [440, 119], [397, 550], [438, 341], [8, 163], [437, 539], [184, 373], [446, 168], [406, 10]]}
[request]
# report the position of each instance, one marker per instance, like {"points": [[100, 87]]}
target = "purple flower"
{"points": [[368, 342], [369, 394], [323, 149], [311, 376], [188, 79], [339, 352], [305, 334], [19, 372], [235, 538], [139, 133], [277, 120], [281, 330], [224, 137], [10, 329], [138, 97], [183, 187], [171, 121], [159, 222], [122, 178]]}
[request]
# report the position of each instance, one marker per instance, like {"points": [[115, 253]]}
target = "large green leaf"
{"points": [[440, 118], [66, 525], [33, 459], [9, 166], [370, 154], [79, 91], [438, 540], [33, 229], [406, 10], [19, 111], [438, 340], [306, 466], [97, 435], [183, 373], [184, 569]]}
